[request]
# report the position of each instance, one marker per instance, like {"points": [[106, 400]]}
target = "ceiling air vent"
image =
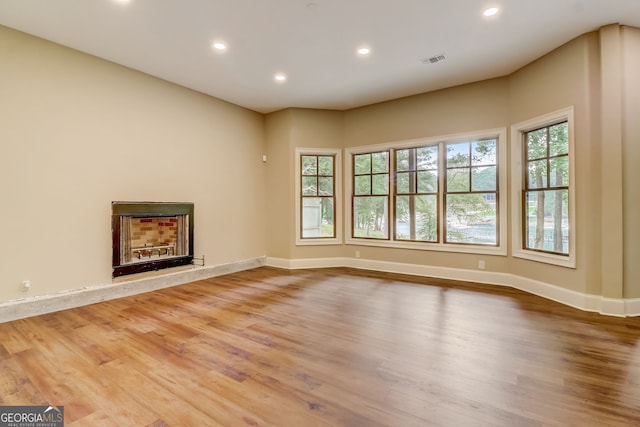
{"points": [[434, 59]]}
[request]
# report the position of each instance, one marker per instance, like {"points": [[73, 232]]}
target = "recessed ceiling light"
{"points": [[280, 77], [122, 1], [219, 46], [491, 11], [364, 51]]}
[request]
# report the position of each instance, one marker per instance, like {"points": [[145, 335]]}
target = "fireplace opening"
{"points": [[149, 236]]}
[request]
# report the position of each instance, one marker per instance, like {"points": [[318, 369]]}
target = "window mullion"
{"points": [[442, 188], [548, 160], [470, 189], [413, 176]]}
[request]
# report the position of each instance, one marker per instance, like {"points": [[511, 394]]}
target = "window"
{"points": [[318, 196], [371, 195], [471, 192], [546, 194], [434, 193], [318, 201], [544, 203], [416, 194]]}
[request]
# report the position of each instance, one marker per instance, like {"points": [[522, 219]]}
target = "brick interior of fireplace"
{"points": [[153, 237]]}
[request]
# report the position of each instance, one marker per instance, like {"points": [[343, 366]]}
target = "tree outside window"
{"points": [[546, 189], [416, 194], [437, 193], [318, 196], [371, 195], [471, 192]]}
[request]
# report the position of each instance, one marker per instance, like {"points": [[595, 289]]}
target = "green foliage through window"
{"points": [[546, 189], [416, 207], [318, 196], [371, 195], [471, 192], [411, 194]]}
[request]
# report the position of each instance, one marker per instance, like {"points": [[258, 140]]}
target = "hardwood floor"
{"points": [[326, 347]]}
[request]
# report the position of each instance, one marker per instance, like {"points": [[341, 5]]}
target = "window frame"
{"points": [[470, 166], [371, 174], [500, 134], [518, 188], [413, 171], [337, 196]]}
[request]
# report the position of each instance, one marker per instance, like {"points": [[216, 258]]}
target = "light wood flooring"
{"points": [[326, 347]]}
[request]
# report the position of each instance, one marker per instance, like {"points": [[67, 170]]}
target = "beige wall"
{"points": [[286, 131], [78, 132], [561, 79], [572, 75], [280, 208], [464, 108], [482, 105], [631, 159], [471, 107]]}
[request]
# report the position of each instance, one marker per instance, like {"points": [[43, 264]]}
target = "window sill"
{"points": [[318, 242], [436, 247], [559, 260]]}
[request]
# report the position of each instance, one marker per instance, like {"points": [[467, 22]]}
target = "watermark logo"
{"points": [[31, 416]]}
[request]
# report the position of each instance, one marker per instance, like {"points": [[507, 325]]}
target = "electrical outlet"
{"points": [[481, 264], [26, 285], [357, 254]]}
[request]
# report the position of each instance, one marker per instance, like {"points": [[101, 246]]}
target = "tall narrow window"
{"points": [[471, 208], [371, 195], [318, 200], [543, 198], [546, 189], [416, 195]]}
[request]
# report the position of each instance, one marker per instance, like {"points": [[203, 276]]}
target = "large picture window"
{"points": [[543, 191], [436, 193]]}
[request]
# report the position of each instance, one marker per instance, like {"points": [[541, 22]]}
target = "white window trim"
{"points": [[501, 249], [517, 135], [316, 241]]}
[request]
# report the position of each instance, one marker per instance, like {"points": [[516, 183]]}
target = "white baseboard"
{"points": [[632, 307], [295, 264], [33, 306], [585, 302]]}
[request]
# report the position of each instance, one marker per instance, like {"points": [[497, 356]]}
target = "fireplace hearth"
{"points": [[149, 236]]}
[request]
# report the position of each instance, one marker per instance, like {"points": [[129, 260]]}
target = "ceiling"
{"points": [[315, 42]]}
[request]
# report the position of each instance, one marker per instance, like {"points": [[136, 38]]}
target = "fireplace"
{"points": [[149, 236]]}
